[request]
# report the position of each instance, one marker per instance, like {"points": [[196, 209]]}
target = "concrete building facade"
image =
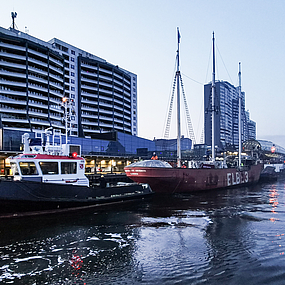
{"points": [[36, 75]]}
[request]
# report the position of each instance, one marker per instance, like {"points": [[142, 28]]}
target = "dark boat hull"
{"points": [[183, 180], [25, 196]]}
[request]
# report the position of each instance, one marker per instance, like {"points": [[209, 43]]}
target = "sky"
{"points": [[141, 36]]}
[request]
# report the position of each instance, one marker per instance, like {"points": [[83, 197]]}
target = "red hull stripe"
{"points": [[171, 180], [47, 156]]}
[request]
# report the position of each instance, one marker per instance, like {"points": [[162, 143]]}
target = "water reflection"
{"points": [[222, 237], [58, 250]]}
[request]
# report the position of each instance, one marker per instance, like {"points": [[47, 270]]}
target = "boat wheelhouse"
{"points": [[50, 162]]}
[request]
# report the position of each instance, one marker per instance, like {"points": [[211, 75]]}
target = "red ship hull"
{"points": [[172, 180]]}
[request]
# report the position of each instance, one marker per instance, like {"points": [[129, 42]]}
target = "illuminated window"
{"points": [[28, 168]]}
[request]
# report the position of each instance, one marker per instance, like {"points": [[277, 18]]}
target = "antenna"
{"points": [[14, 15]]}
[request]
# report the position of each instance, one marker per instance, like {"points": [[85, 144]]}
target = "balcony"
{"points": [[56, 61], [56, 85], [14, 47], [43, 55], [89, 66], [118, 108], [37, 114], [118, 88], [38, 62], [6, 55], [102, 125], [11, 110], [86, 96], [89, 73], [118, 82], [56, 117], [14, 119], [37, 121], [5, 99], [90, 116], [56, 93], [110, 105], [109, 99], [16, 129], [104, 91], [105, 70], [89, 123], [11, 92], [106, 112], [87, 87], [118, 102], [37, 79], [36, 95], [56, 77], [37, 70], [57, 70], [32, 86], [14, 74], [118, 77], [108, 78], [10, 64], [12, 83], [88, 108], [118, 121], [38, 104], [118, 128], [84, 79]]}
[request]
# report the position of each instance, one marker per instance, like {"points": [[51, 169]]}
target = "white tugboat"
{"points": [[50, 176]]}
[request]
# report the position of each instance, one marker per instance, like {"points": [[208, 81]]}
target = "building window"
{"points": [[72, 66], [72, 81], [72, 74], [72, 59], [72, 89], [72, 52]]}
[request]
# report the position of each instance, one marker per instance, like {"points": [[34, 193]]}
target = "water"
{"points": [[232, 236]]}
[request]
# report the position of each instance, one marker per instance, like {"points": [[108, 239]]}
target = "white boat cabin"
{"points": [[49, 163]]}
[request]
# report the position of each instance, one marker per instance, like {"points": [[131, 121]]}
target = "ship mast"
{"points": [[239, 117], [213, 102], [178, 106]]}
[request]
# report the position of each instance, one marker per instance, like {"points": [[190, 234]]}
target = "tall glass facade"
{"points": [[226, 116]]}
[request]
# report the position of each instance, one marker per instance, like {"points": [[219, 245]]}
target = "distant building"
{"points": [[36, 75], [171, 144], [226, 116], [251, 127]]}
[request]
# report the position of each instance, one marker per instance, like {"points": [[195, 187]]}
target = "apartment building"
{"points": [[226, 116], [36, 75]]}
